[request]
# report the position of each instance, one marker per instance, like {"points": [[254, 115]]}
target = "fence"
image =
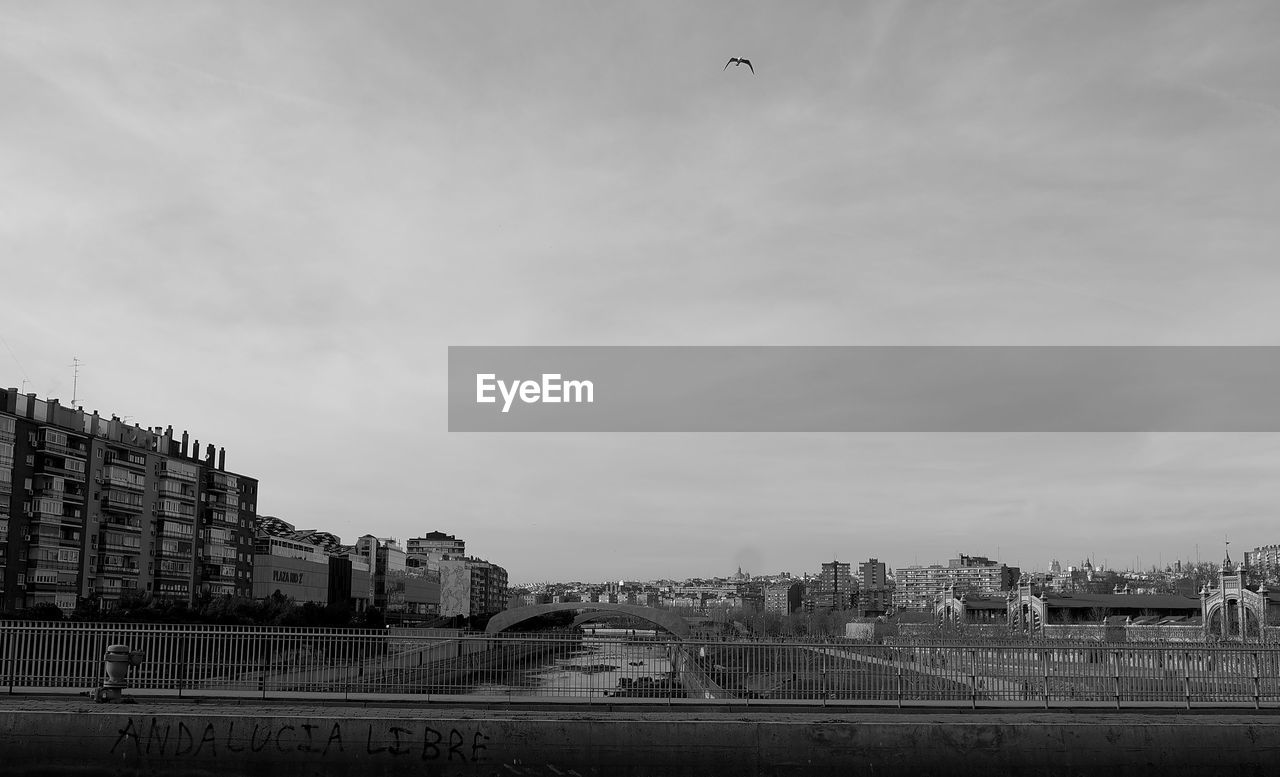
{"points": [[261, 662]]}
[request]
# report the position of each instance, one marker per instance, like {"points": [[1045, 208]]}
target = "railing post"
{"points": [[1115, 656], [1186, 678], [10, 660], [900, 684], [266, 660], [1257, 682], [1044, 659], [973, 677], [183, 650]]}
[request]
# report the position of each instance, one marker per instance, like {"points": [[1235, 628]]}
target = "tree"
{"points": [[43, 611]]}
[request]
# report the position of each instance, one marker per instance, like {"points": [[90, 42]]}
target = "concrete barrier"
{"points": [[159, 740]]}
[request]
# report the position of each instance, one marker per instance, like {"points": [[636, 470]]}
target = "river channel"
{"points": [[603, 662]]}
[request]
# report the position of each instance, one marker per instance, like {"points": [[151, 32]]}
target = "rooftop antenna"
{"points": [[75, 378]]}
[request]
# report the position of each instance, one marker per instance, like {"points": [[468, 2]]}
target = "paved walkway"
{"points": [[578, 711]]}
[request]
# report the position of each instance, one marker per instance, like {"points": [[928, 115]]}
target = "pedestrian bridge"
{"points": [[663, 619]]}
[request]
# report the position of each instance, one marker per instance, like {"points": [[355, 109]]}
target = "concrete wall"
{"points": [[161, 740], [304, 580]]}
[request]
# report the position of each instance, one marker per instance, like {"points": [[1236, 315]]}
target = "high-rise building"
{"points": [[92, 509], [873, 574], [835, 587], [875, 597]]}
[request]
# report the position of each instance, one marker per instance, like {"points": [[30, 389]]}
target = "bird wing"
{"points": [[747, 62], [730, 62]]}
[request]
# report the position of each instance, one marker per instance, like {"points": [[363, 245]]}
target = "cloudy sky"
{"points": [[265, 223]]}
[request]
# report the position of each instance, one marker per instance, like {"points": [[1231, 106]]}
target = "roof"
{"points": [[913, 616], [986, 604], [1124, 601]]}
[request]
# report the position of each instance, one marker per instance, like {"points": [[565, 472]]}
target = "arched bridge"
{"points": [[663, 619]]}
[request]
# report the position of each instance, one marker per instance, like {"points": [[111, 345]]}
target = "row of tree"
{"points": [[274, 610]]}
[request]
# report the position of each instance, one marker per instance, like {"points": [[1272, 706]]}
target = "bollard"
{"points": [[116, 663]]}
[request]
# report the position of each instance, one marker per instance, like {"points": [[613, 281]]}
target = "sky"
{"points": [[265, 223]]}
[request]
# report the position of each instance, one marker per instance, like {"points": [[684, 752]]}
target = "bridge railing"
{"points": [[264, 662]]}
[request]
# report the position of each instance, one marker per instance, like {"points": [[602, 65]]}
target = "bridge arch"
{"points": [[663, 619]]}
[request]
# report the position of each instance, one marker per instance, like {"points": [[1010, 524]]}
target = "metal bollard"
{"points": [[116, 663]]}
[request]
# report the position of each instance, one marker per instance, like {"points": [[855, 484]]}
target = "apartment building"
{"points": [[874, 596], [835, 587], [783, 598], [472, 586], [1262, 559], [92, 508], [917, 588], [436, 545]]}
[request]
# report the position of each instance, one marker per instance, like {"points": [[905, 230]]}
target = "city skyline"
{"points": [[266, 227]]}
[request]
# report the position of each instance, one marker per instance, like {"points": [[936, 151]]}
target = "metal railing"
{"points": [[627, 668]]}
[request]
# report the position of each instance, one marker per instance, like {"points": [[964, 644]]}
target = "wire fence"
{"points": [[633, 668]]}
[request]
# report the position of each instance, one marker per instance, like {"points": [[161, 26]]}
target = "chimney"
{"points": [[195, 450], [222, 459], [208, 454], [183, 450]]}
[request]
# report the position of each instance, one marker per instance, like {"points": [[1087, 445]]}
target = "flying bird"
{"points": [[735, 61]]}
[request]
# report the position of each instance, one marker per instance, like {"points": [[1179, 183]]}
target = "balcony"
{"points": [[119, 547], [117, 501], [215, 484], [52, 566], [54, 467], [174, 474], [56, 519], [122, 522], [223, 519], [44, 446], [117, 569], [128, 485], [168, 491], [168, 512], [122, 460]]}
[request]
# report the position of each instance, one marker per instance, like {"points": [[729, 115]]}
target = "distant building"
{"points": [[874, 597], [783, 598], [918, 588], [471, 587], [436, 545], [1263, 559], [835, 587], [306, 565]]}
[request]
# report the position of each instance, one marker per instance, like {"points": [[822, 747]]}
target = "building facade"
{"points": [[875, 596], [835, 587], [436, 545], [783, 598], [470, 587], [92, 509], [918, 588]]}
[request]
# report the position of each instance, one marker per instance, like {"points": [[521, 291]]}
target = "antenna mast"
{"points": [[75, 378]]}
